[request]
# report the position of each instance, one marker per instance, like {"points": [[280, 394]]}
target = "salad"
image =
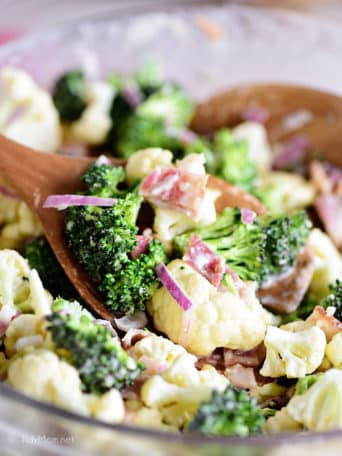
{"points": [[224, 322]]}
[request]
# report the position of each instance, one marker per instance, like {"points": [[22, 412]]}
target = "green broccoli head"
{"points": [[231, 412], [285, 235], [69, 95], [129, 288], [102, 238], [334, 299], [232, 162], [41, 257], [138, 133], [241, 245], [101, 362], [103, 180], [169, 103]]}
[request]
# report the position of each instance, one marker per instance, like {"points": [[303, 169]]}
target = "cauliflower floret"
{"points": [[94, 124], [158, 349], [42, 375], [282, 421], [13, 271], [258, 147], [143, 162], [293, 354], [334, 350], [109, 407], [277, 189], [17, 222], [27, 328], [328, 264], [178, 392], [320, 407], [27, 113], [21, 287], [148, 417], [169, 223], [216, 318]]}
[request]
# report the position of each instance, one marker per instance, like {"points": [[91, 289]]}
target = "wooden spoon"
{"points": [[323, 111], [36, 175]]}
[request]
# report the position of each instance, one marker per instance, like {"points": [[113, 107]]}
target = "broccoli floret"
{"points": [[304, 383], [334, 299], [240, 244], [256, 251], [232, 412], [285, 236], [127, 289], [232, 162], [41, 257], [103, 180], [139, 133], [69, 96], [101, 238], [91, 349]]}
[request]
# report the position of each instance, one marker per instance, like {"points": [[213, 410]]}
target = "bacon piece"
{"points": [[175, 189], [329, 209], [326, 177], [143, 243], [285, 292], [241, 376], [249, 358], [204, 260], [328, 323]]}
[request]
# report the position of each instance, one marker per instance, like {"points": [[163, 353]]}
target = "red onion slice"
{"points": [[5, 191], [7, 313], [292, 153], [61, 202], [247, 216], [132, 95], [138, 320], [172, 287]]}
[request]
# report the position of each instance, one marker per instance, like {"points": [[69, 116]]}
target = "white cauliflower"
{"points": [[143, 162], [293, 354], [169, 223], [158, 349], [43, 376], [178, 392], [328, 264], [27, 113], [277, 189], [216, 318], [94, 124], [282, 421], [334, 350], [24, 330], [20, 286], [320, 407], [259, 149]]}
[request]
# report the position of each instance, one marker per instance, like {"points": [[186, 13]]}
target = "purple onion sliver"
{"points": [[187, 136], [255, 114], [132, 95], [292, 153], [63, 201], [247, 216], [172, 287], [4, 191]]}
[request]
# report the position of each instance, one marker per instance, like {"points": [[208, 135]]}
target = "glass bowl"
{"points": [[247, 44]]}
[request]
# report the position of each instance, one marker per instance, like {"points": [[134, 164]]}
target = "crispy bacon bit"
{"points": [[204, 260], [176, 189], [285, 292], [329, 209], [241, 376], [143, 243], [215, 359], [328, 323], [249, 358]]}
